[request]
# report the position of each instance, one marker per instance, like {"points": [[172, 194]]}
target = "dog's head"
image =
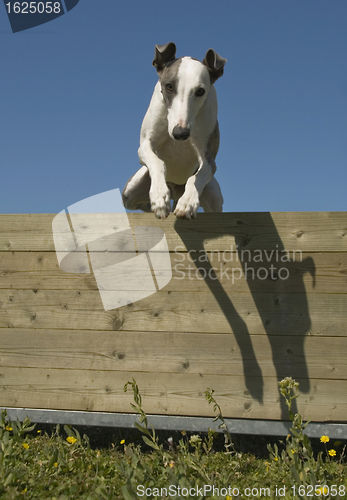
{"points": [[185, 84]]}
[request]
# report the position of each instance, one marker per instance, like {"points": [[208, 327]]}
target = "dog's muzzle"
{"points": [[180, 133]]}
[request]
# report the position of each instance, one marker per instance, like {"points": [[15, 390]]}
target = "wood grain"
{"points": [[208, 327], [305, 231], [171, 394], [257, 314], [176, 352], [320, 272]]}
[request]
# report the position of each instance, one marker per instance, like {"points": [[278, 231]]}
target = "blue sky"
{"points": [[74, 92]]}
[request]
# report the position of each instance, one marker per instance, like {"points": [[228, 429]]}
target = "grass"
{"points": [[63, 464]]}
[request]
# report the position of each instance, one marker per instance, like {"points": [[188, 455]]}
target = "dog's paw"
{"points": [[187, 206], [160, 203]]}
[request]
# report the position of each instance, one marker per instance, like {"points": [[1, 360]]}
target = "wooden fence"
{"points": [[254, 297]]}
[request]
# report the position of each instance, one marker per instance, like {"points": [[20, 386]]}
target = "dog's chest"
{"points": [[180, 159]]}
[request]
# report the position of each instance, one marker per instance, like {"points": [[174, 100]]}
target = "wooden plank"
{"points": [[177, 341], [243, 314], [157, 353], [305, 231], [191, 272], [172, 394]]}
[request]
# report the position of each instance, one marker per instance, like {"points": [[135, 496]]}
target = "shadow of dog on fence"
{"points": [[282, 304]]}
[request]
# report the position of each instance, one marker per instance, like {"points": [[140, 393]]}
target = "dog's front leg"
{"points": [[187, 206], [159, 193]]}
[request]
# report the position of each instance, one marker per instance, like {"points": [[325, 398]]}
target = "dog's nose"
{"points": [[180, 133]]}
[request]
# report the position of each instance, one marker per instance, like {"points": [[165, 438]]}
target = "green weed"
{"points": [[64, 466]]}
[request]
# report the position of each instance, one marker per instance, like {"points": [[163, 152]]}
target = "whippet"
{"points": [[179, 139]]}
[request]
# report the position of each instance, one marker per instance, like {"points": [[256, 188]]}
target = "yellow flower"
{"points": [[323, 490], [324, 439], [172, 464], [24, 491], [276, 459], [26, 446], [228, 498], [55, 464], [123, 441], [8, 428], [38, 432], [332, 453], [71, 440]]}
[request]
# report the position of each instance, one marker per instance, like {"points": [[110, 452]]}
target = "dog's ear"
{"points": [[215, 64], [163, 54]]}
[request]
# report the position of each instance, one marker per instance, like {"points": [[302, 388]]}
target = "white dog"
{"points": [[179, 139]]}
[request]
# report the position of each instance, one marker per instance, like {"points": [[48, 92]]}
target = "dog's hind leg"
{"points": [[211, 199], [136, 192]]}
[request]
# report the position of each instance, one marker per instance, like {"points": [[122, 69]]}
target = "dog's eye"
{"points": [[169, 87], [200, 92]]}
